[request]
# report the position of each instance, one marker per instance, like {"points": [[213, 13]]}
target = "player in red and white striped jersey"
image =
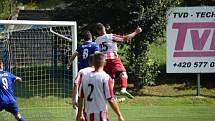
{"points": [[108, 45], [78, 80], [96, 90], [77, 83]]}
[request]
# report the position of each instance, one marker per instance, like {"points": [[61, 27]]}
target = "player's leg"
{"points": [[119, 68], [19, 117], [108, 69], [123, 78], [13, 109]]}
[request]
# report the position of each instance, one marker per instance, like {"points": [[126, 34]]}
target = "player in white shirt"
{"points": [[108, 45], [77, 83], [96, 90]]}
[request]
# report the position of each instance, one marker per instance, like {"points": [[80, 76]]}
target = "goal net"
{"points": [[38, 52]]}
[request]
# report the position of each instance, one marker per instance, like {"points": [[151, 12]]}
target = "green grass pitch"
{"points": [[140, 109]]}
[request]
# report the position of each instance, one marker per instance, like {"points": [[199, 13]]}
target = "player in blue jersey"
{"points": [[7, 98], [84, 50]]}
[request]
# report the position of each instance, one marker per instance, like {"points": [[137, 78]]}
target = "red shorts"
{"points": [[114, 66]]}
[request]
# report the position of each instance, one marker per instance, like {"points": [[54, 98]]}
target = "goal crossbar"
{"points": [[31, 22]]}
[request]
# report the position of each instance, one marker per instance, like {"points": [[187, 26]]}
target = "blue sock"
{"points": [[21, 119]]}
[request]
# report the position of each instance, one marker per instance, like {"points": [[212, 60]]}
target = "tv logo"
{"points": [[198, 41]]}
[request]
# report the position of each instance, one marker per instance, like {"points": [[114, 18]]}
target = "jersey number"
{"points": [[89, 98], [5, 84], [103, 46], [85, 53]]}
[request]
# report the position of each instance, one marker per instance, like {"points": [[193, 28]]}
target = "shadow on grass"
{"points": [[177, 95], [190, 80]]}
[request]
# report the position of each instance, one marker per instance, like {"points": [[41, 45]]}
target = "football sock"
{"points": [[123, 82], [21, 119]]}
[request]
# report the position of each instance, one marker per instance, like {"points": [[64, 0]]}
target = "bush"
{"points": [[7, 8], [152, 18], [151, 72], [145, 72]]}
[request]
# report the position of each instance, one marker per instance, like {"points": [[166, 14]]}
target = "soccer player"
{"points": [[83, 51], [7, 98], [95, 91], [108, 45], [78, 80]]}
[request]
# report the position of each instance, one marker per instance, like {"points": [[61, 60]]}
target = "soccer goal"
{"points": [[38, 51]]}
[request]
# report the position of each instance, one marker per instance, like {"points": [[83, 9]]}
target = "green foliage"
{"points": [[39, 4], [158, 52], [152, 17], [7, 7], [144, 69], [197, 2]]}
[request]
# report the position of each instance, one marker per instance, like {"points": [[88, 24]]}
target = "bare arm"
{"points": [[74, 95], [115, 107], [132, 35], [72, 59], [80, 115]]}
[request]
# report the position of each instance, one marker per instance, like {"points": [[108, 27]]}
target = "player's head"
{"points": [[91, 60], [1, 64], [98, 60], [87, 35], [100, 28]]}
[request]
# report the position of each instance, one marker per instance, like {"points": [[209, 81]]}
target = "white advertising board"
{"points": [[191, 40]]}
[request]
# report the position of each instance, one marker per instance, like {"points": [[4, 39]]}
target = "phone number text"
{"points": [[194, 64]]}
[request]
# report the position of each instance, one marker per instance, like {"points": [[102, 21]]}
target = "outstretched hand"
{"points": [[138, 30]]}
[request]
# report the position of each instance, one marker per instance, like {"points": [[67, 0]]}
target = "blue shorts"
{"points": [[11, 107]]}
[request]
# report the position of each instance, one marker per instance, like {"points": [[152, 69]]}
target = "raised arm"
{"points": [[72, 59], [120, 39], [132, 35]]}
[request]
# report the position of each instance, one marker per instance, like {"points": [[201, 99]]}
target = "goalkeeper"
{"points": [[7, 98]]}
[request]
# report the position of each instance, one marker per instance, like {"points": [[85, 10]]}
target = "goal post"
{"points": [[38, 51], [73, 24]]}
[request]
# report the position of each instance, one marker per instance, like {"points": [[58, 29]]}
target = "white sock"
{"points": [[123, 89]]}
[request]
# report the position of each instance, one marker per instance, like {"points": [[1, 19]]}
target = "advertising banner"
{"points": [[191, 40]]}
